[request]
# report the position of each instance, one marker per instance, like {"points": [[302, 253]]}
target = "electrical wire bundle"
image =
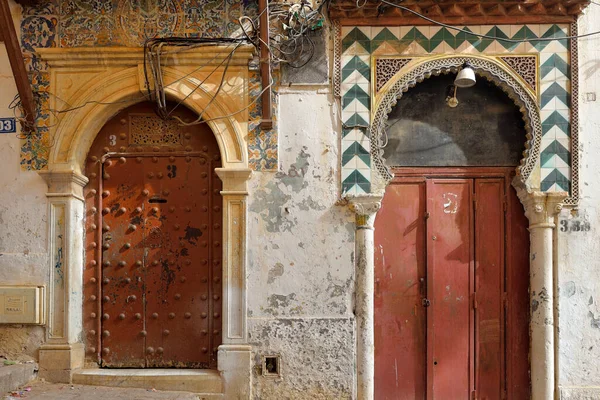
{"points": [[153, 51], [290, 26]]}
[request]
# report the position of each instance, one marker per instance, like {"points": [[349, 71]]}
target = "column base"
{"points": [[58, 361], [235, 366]]}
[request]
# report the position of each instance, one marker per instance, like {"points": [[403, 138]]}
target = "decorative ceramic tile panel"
{"points": [[262, 144], [77, 23], [360, 44]]}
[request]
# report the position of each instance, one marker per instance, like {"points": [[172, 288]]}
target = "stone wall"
{"points": [[301, 245], [578, 269], [300, 258], [23, 231]]}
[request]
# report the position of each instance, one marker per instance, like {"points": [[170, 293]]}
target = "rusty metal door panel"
{"points": [[153, 196], [123, 274], [400, 319], [517, 285], [450, 286], [183, 254], [489, 287]]}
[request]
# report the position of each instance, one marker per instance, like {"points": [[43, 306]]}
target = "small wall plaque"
{"points": [[22, 305], [8, 125]]}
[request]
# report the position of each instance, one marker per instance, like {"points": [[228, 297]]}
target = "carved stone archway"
{"points": [[103, 82], [540, 208], [420, 69]]}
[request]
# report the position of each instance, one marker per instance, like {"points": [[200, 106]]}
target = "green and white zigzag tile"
{"points": [[356, 68], [553, 179], [555, 150], [429, 38], [555, 124], [554, 62], [355, 183], [554, 72], [555, 91]]}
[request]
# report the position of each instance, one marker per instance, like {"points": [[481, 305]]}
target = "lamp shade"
{"points": [[465, 77]]}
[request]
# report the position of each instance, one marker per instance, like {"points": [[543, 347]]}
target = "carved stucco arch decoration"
{"points": [[98, 83], [423, 68], [109, 92]]}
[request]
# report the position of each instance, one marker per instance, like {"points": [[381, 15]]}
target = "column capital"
{"points": [[64, 183], [234, 180], [365, 207], [541, 207]]}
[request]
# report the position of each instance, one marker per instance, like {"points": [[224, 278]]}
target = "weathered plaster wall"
{"points": [[300, 258], [23, 232], [578, 244]]}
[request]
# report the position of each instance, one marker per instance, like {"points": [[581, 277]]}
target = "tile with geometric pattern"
{"points": [[360, 43]]}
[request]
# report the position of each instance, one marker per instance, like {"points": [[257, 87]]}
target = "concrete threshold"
{"points": [[199, 381]]}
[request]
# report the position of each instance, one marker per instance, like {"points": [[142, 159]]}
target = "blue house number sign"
{"points": [[8, 125]]}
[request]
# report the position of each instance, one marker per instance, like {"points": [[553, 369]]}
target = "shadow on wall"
{"points": [[485, 129]]}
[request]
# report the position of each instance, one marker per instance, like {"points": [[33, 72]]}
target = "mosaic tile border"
{"points": [[361, 43], [573, 199]]}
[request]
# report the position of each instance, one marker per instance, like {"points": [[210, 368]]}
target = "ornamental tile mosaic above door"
{"points": [[99, 23], [360, 44]]}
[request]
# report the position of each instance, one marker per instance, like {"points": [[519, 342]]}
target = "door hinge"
{"points": [[475, 300], [474, 395]]}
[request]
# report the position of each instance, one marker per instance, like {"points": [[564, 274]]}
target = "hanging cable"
{"points": [[479, 35]]}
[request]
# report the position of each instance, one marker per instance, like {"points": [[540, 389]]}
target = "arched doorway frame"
{"points": [[107, 81], [541, 209]]}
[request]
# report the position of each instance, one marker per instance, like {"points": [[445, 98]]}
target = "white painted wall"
{"points": [[578, 274], [23, 212], [301, 247], [301, 258]]}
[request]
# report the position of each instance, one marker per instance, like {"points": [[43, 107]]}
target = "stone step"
{"points": [[206, 383], [14, 376]]}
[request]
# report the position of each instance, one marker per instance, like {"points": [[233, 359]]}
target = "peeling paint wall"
{"points": [[578, 277], [301, 248], [23, 231], [300, 259]]}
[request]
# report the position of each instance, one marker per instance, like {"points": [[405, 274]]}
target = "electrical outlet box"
{"points": [[22, 305], [271, 366]]}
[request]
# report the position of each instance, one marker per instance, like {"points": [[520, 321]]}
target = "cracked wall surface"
{"points": [[300, 253], [578, 268], [23, 232], [300, 259]]}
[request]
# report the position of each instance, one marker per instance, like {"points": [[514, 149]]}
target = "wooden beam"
{"points": [[17, 64], [265, 65], [459, 21]]}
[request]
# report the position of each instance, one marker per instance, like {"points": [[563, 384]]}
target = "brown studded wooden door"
{"points": [[161, 261], [450, 304], [159, 221]]}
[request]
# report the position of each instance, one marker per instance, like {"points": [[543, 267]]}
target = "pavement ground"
{"points": [[39, 390]]}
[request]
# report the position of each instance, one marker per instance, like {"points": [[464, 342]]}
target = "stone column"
{"points": [[366, 208], [63, 352], [235, 355], [541, 210]]}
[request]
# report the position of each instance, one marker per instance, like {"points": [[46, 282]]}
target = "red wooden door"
{"points": [[446, 282], [449, 288], [400, 319]]}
